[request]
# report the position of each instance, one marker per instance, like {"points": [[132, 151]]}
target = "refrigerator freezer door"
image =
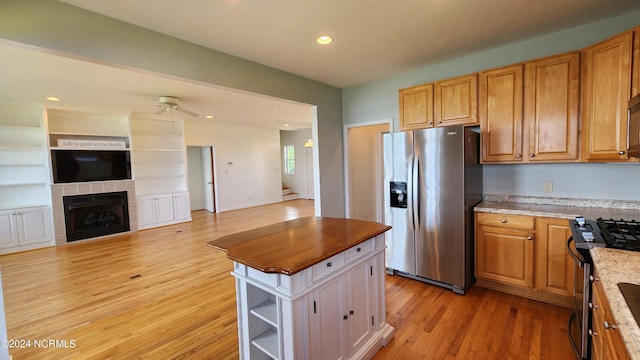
{"points": [[440, 244], [398, 152]]}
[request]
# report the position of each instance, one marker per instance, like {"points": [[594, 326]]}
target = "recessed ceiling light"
{"points": [[52, 98], [209, 116], [286, 124], [324, 40]]}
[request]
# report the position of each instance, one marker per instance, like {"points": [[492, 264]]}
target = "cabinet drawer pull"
{"points": [[351, 312], [518, 156], [504, 221], [609, 326], [532, 155], [346, 317], [358, 249], [329, 264], [529, 237], [620, 152]]}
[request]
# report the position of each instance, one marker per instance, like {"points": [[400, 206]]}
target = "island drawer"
{"points": [[358, 251], [327, 266]]}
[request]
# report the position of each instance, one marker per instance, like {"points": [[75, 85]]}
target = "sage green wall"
{"points": [[70, 31], [378, 100]]}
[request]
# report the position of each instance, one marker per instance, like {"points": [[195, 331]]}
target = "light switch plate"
{"points": [[548, 186]]}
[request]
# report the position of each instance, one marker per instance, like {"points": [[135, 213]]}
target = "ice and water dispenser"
{"points": [[398, 192]]}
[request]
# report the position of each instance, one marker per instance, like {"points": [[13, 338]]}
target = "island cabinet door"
{"points": [[328, 319], [360, 304]]}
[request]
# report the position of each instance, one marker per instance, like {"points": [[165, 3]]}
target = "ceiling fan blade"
{"points": [[185, 111], [160, 111]]}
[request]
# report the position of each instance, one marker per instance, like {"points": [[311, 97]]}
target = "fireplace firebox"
{"points": [[93, 215]]}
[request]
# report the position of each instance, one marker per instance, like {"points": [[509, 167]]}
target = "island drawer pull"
{"points": [[329, 264]]}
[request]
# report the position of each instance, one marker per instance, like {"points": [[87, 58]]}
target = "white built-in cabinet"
{"points": [[334, 309], [163, 209], [160, 171], [25, 228], [25, 199]]}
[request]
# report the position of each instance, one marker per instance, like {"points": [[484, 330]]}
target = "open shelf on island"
{"points": [[268, 343]]}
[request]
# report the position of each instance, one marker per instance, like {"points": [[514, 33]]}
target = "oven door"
{"points": [[580, 319]]}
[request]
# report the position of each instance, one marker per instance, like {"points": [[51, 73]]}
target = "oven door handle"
{"points": [[574, 255]]}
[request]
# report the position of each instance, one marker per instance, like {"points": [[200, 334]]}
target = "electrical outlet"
{"points": [[548, 186]]}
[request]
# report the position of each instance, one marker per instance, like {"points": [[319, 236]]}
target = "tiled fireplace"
{"points": [[59, 191]]}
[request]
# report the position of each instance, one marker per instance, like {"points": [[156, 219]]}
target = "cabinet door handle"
{"points": [[504, 221], [351, 312], [345, 317], [518, 156], [621, 153], [329, 264], [430, 123], [592, 333], [609, 326], [529, 237], [358, 249], [532, 155]]}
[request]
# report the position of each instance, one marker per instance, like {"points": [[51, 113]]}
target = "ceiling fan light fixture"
{"points": [[52, 98]]}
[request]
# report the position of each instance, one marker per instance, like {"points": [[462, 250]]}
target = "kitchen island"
{"points": [[310, 288]]}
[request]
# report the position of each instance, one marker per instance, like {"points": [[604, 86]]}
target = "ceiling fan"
{"points": [[169, 103]]}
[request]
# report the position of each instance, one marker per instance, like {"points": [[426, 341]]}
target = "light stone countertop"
{"points": [[561, 208], [616, 266]]}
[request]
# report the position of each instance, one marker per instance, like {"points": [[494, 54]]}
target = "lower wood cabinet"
{"points": [[334, 309], [505, 253], [607, 343], [163, 209], [25, 229], [526, 256]]}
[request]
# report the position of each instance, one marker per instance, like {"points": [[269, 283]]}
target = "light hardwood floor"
{"points": [[163, 294]]}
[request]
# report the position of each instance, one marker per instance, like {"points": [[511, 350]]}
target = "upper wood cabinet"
{"points": [[529, 112], [416, 107], [447, 102], [551, 108], [456, 101], [500, 112], [606, 94]]}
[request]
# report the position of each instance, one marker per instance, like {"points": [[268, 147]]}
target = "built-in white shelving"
{"points": [[24, 179], [159, 155], [25, 196]]}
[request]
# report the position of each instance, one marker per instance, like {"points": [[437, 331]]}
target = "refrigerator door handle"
{"points": [[415, 188], [410, 192]]}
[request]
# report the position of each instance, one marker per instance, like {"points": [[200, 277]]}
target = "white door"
{"points": [[207, 175], [181, 206], [164, 208], [146, 211], [34, 225], [360, 306], [330, 320], [8, 231]]}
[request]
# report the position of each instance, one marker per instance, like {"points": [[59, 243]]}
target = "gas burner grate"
{"points": [[620, 234]]}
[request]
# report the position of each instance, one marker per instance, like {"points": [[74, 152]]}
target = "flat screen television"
{"points": [[90, 165]]}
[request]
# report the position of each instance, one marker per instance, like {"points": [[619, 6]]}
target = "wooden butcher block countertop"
{"points": [[292, 246]]}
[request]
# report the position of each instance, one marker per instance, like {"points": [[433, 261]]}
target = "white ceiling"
{"points": [[373, 39]]}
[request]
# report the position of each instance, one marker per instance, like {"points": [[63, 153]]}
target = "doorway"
{"points": [[364, 170], [202, 186]]}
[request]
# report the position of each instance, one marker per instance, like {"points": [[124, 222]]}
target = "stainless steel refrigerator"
{"points": [[433, 179]]}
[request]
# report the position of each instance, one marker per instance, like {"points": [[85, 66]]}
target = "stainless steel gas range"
{"points": [[587, 234]]}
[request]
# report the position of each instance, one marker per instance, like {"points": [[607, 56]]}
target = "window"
{"points": [[289, 160]]}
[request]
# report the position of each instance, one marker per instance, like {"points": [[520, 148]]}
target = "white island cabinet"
{"points": [[309, 307]]}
